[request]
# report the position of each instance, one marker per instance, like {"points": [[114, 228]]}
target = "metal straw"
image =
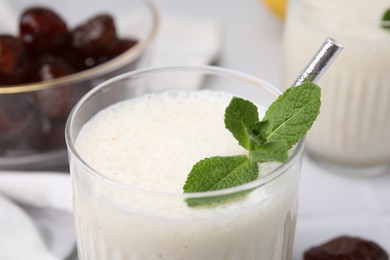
{"points": [[320, 62]]}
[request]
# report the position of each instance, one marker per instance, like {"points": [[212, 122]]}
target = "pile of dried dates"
{"points": [[45, 49]]}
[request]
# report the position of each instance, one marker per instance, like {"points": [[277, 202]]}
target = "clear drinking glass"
{"points": [[119, 221], [353, 127]]}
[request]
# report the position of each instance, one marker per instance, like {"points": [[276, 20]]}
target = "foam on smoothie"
{"points": [[153, 141]]}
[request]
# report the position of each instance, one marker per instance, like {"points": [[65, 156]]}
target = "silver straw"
{"points": [[320, 62]]}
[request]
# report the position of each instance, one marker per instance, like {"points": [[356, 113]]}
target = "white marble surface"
{"points": [[331, 203], [334, 204]]}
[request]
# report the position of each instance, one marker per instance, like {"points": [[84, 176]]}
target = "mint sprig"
{"points": [[286, 121], [385, 23], [218, 172]]}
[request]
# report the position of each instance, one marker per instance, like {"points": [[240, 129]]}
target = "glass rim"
{"points": [[70, 139], [130, 55]]}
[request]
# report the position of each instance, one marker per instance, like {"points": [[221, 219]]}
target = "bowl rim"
{"points": [[109, 66]]}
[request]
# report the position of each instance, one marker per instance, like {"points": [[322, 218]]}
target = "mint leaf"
{"points": [[216, 173], [213, 200], [270, 151], [239, 115], [219, 172], [292, 114], [386, 20]]}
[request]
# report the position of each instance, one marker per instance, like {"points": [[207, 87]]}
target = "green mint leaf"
{"points": [[239, 116], [215, 200], [258, 131], [292, 114], [385, 23], [216, 173], [270, 151], [286, 121]]}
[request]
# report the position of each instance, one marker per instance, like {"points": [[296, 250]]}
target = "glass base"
{"points": [[350, 170]]}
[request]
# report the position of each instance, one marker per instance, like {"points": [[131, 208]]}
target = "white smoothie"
{"points": [[149, 144], [354, 124]]}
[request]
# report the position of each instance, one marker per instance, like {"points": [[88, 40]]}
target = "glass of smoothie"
{"points": [[132, 142], [353, 127]]}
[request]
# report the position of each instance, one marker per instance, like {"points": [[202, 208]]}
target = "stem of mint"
{"points": [[286, 121]]}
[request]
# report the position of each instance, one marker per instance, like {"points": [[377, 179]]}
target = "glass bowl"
{"points": [[33, 115]]}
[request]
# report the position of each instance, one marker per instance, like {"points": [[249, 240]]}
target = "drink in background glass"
{"points": [[129, 162], [354, 124]]}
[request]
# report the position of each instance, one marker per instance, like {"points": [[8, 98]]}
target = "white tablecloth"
{"points": [[331, 204]]}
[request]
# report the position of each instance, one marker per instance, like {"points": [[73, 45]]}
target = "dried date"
{"points": [[346, 248]]}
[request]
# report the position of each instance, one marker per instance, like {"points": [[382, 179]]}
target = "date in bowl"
{"points": [[51, 54]]}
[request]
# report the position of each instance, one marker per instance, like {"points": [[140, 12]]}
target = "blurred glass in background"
{"points": [[354, 124]]}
